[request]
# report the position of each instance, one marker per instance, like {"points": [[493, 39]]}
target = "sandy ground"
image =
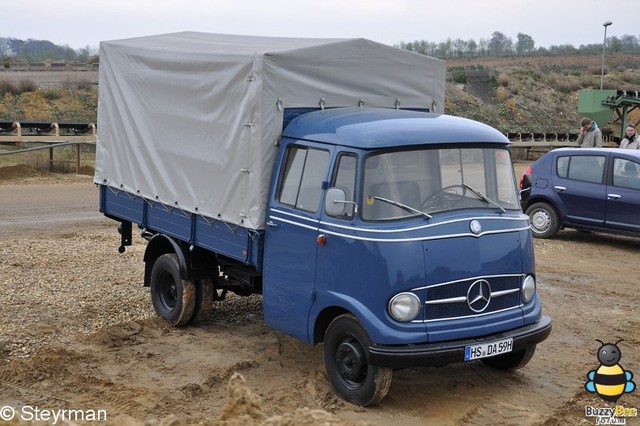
{"points": [[79, 333]]}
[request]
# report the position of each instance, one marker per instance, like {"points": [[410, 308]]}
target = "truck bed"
{"points": [[234, 241], [194, 118]]}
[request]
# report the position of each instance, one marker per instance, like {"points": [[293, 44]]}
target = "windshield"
{"points": [[409, 183]]}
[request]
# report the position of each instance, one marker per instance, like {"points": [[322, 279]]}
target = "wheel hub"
{"points": [[169, 292], [540, 220], [351, 361]]}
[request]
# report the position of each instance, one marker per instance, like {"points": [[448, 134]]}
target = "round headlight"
{"points": [[404, 306], [528, 288]]}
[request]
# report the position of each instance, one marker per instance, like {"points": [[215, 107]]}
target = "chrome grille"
{"points": [[449, 300]]}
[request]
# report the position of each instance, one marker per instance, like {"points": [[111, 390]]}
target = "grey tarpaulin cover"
{"points": [[190, 119]]}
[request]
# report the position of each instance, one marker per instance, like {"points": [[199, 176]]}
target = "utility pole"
{"points": [[604, 46]]}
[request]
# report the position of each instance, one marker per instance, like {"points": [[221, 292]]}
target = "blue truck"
{"points": [[320, 174]]}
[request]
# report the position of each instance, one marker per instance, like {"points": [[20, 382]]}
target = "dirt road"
{"points": [[79, 333]]}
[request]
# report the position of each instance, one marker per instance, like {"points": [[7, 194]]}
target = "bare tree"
{"points": [[5, 47], [472, 46], [459, 47], [525, 44], [484, 46], [500, 44]]}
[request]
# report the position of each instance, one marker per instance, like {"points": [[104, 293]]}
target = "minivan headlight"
{"points": [[528, 288], [404, 306]]}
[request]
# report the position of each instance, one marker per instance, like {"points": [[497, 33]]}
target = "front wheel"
{"points": [[544, 220], [511, 361], [345, 359], [173, 298]]}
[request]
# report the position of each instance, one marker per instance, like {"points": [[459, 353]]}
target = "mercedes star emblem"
{"points": [[479, 296]]}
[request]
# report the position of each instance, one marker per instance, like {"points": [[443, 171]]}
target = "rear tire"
{"points": [[345, 359], [511, 361], [205, 289], [544, 220], [173, 298]]}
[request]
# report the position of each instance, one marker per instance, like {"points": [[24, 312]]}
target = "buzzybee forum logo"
{"points": [[609, 381]]}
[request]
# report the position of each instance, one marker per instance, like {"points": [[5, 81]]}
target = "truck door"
{"points": [[291, 238]]}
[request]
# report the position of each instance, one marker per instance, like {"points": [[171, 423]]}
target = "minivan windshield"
{"points": [[401, 184]]}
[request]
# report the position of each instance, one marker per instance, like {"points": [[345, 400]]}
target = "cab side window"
{"points": [[304, 171], [345, 179]]}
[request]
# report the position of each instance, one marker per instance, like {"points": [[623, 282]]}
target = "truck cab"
{"points": [[397, 239]]}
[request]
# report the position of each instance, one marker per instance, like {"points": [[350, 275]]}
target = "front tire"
{"points": [[544, 220], [173, 298], [345, 360], [511, 361]]}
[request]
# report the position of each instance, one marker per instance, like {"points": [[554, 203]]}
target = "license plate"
{"points": [[488, 349]]}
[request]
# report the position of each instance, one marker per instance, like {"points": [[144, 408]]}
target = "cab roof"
{"points": [[370, 128]]}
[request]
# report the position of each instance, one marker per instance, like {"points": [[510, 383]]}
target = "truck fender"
{"points": [[335, 305], [158, 245], [378, 331]]}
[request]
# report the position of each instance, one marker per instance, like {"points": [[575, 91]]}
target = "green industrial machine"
{"points": [[608, 107]]}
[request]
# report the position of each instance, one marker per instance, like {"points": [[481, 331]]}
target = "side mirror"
{"points": [[335, 202]]}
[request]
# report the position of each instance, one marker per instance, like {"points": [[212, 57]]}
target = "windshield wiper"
{"points": [[484, 197], [402, 206]]}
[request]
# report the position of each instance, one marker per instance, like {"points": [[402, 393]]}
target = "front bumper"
{"points": [[442, 353]]}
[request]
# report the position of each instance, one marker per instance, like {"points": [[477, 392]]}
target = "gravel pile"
{"points": [[56, 289]]}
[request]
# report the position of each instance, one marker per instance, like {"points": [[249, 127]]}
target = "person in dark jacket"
{"points": [[590, 135], [631, 141]]}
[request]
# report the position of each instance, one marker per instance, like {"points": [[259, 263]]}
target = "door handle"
{"points": [[559, 188], [613, 196]]}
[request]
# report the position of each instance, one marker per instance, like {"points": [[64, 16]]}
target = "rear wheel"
{"points": [[544, 220], [173, 298], [345, 360], [205, 292], [511, 361]]}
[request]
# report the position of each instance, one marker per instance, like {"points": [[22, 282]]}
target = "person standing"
{"points": [[590, 134], [631, 141]]}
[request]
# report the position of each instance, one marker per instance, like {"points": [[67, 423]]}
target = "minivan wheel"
{"points": [[345, 360], [544, 220]]}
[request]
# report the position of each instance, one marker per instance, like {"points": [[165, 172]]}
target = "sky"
{"points": [[82, 23]]}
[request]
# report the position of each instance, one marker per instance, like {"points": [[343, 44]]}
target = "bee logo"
{"points": [[609, 380]]}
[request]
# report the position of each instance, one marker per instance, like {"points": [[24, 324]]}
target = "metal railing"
{"points": [[51, 135]]}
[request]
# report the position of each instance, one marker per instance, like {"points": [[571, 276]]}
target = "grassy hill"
{"points": [[60, 98], [521, 93], [536, 93]]}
